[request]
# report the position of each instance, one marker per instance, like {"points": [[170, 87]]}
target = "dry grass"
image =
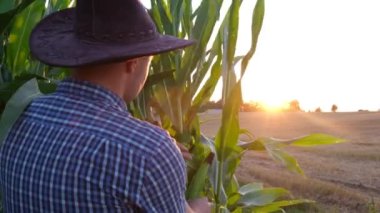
{"points": [[341, 178], [306, 187]]}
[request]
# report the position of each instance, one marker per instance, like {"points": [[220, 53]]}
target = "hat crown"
{"points": [[113, 20]]}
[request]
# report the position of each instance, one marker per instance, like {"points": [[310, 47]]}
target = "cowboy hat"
{"points": [[99, 31]]}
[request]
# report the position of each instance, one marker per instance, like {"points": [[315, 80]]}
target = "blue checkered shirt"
{"points": [[79, 150]]}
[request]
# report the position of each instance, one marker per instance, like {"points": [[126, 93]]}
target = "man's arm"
{"points": [[164, 183]]}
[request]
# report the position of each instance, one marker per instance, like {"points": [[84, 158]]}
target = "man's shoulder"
{"points": [[106, 121]]}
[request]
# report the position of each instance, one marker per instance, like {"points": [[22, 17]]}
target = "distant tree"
{"points": [[251, 107], [294, 106], [363, 110], [334, 108], [211, 105], [318, 109]]}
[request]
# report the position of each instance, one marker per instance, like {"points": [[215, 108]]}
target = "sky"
{"points": [[319, 52]]}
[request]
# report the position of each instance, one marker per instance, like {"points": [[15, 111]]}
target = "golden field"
{"points": [[341, 178]]}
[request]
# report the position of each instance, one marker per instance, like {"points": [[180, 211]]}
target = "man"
{"points": [[79, 150]]}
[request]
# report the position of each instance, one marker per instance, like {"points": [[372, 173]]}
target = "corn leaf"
{"points": [[16, 105], [60, 4], [206, 92], [316, 140], [155, 14], [228, 153], [220, 195], [18, 48], [165, 16], [208, 14], [251, 187], [156, 78], [232, 31], [187, 22], [7, 13], [256, 145], [6, 5], [228, 134], [278, 205], [278, 154], [257, 22], [195, 189], [9, 88], [176, 11], [262, 197]]}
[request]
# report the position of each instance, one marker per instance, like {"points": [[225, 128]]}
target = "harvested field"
{"points": [[341, 178]]}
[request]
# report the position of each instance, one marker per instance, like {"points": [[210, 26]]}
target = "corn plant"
{"points": [[17, 19], [179, 84]]}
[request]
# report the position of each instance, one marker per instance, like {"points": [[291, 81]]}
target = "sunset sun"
{"points": [[272, 104]]}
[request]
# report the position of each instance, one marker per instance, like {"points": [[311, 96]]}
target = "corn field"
{"points": [[179, 83]]}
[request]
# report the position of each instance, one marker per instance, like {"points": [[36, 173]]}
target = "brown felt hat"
{"points": [[99, 31]]}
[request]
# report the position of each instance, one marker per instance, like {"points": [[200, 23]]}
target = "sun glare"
{"points": [[272, 105]]}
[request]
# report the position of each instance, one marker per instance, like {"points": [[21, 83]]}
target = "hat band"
{"points": [[119, 38]]}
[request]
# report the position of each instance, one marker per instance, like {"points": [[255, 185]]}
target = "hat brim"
{"points": [[54, 42]]}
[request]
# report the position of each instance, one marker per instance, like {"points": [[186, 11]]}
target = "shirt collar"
{"points": [[90, 91]]}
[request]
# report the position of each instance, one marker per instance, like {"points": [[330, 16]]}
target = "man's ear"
{"points": [[130, 65]]}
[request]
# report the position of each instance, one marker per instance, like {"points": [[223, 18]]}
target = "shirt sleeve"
{"points": [[164, 182]]}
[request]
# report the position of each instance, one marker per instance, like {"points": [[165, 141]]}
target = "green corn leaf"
{"points": [[7, 13], [238, 210], [16, 105], [60, 4], [6, 5], [248, 134], [257, 22], [163, 95], [206, 91], [218, 190], [207, 142], [216, 51], [251, 187], [187, 20], [155, 14], [9, 88], [232, 32], [5, 74], [228, 153], [197, 184], [256, 145], [208, 88], [176, 11], [278, 205], [224, 209], [165, 16], [208, 14], [316, 140], [278, 154], [156, 78], [18, 48], [230, 165], [228, 134], [262, 197], [232, 202]]}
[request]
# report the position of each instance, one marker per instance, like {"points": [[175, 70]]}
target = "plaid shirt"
{"points": [[79, 150]]}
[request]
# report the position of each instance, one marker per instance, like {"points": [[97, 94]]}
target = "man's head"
{"points": [[125, 78]]}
